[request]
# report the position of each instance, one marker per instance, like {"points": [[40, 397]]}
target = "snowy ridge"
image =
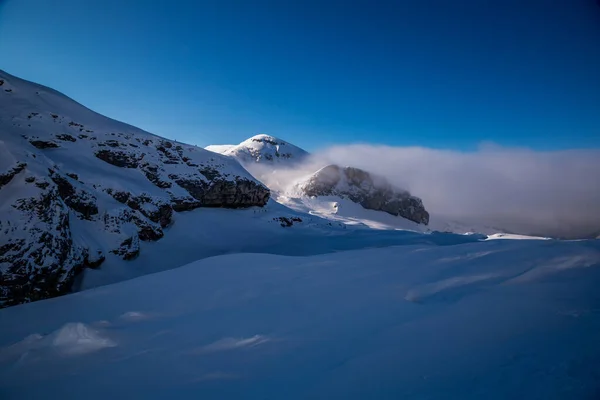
{"points": [[265, 149], [219, 148]]}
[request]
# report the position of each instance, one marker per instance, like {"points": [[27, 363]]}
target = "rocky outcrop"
{"points": [[153, 175], [77, 200], [118, 158], [66, 137], [41, 256], [6, 177], [224, 193], [370, 191], [287, 222], [129, 248], [44, 144]]}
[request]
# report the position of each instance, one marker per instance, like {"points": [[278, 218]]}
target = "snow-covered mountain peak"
{"points": [[265, 149]]}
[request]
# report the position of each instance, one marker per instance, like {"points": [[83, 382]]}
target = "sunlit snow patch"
{"points": [[233, 343]]}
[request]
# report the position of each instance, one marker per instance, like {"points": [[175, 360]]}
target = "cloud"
{"points": [[549, 193]]}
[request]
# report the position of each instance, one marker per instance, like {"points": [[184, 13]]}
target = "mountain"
{"points": [[370, 191], [263, 149], [77, 187], [265, 156]]}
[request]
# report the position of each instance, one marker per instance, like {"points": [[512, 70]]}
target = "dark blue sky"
{"points": [[437, 73]]}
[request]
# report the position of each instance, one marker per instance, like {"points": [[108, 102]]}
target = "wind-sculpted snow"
{"points": [[495, 319]]}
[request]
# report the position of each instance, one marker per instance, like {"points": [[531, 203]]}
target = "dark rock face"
{"points": [[147, 232], [66, 137], [185, 204], [10, 174], [118, 158], [44, 144], [287, 222], [370, 191], [46, 263], [153, 175], [78, 200], [163, 216], [225, 193], [154, 209], [129, 249]]}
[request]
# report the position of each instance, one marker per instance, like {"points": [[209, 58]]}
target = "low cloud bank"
{"points": [[523, 191]]}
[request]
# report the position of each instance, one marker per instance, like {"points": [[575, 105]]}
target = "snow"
{"points": [[496, 236], [487, 319], [265, 149], [219, 148]]}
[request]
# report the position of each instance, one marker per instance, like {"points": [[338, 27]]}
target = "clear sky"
{"points": [[436, 73]]}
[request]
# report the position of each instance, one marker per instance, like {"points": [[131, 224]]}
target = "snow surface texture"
{"points": [[77, 188], [470, 320]]}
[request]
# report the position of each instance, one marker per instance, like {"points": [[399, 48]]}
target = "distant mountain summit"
{"points": [[263, 149]]}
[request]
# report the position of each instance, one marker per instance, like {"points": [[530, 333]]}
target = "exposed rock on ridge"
{"points": [[264, 149], [370, 191]]}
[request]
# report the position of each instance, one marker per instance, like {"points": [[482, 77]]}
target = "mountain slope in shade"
{"points": [[264, 149], [77, 187]]}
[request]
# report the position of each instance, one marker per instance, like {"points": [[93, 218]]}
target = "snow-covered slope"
{"points": [[487, 320], [264, 149], [219, 148], [77, 188]]}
